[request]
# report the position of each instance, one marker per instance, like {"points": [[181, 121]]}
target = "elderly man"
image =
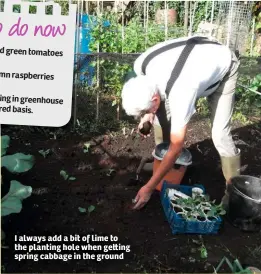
{"points": [[171, 76]]}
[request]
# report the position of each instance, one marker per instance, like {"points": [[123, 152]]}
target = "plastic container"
{"points": [[245, 202], [82, 49], [176, 174], [82, 60], [177, 223]]}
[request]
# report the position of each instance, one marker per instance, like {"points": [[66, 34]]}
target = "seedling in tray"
{"points": [[196, 208]]}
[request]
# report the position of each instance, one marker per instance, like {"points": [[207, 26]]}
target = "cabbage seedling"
{"points": [[91, 208], [82, 209], [110, 172], [66, 177], [86, 147], [44, 153], [197, 208]]}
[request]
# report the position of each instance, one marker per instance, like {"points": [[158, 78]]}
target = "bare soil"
{"points": [[104, 178]]}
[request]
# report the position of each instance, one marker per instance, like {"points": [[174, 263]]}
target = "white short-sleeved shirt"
{"points": [[206, 65]]}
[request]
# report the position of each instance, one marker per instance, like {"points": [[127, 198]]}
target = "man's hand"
{"points": [[149, 117], [142, 197]]}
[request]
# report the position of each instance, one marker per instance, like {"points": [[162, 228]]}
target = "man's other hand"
{"points": [[142, 197], [149, 117]]}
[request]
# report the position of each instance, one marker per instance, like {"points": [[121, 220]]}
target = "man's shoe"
{"points": [[231, 166]]}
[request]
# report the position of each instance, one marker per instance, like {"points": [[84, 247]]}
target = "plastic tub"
{"points": [[176, 174]]}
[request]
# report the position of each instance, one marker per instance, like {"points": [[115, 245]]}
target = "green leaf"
{"points": [[257, 104], [82, 209], [44, 153], [5, 141], [258, 77], [91, 208], [72, 178], [222, 212], [258, 25], [203, 252], [201, 213], [87, 146], [212, 212], [18, 163], [64, 174], [12, 201]]}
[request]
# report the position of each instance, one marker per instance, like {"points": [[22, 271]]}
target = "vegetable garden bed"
{"points": [[97, 197]]}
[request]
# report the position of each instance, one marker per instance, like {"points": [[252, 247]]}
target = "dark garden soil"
{"points": [[104, 180]]}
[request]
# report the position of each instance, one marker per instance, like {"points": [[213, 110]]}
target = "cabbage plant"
{"points": [[15, 163], [197, 208]]}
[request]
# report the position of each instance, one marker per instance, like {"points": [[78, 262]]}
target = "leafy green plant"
{"points": [[240, 117], [105, 31], [133, 41], [197, 208], [82, 209], [44, 153], [110, 172], [247, 101], [66, 176], [202, 107], [86, 147], [255, 83], [202, 248], [15, 163], [90, 209], [12, 201], [257, 15], [203, 252]]}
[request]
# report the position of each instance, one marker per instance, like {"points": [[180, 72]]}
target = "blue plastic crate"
{"points": [[177, 223]]}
